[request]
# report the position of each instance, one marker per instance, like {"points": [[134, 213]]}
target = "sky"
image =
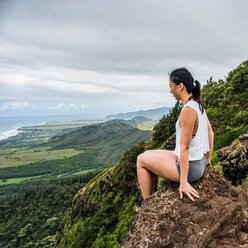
{"points": [[95, 58]]}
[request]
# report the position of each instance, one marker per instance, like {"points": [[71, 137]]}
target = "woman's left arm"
{"points": [[187, 118]]}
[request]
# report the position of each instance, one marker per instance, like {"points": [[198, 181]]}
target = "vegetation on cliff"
{"points": [[227, 105], [101, 213]]}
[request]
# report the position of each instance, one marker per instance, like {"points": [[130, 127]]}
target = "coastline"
{"points": [[16, 130], [12, 132]]}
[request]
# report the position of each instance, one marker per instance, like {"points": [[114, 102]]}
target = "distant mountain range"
{"points": [[154, 114]]}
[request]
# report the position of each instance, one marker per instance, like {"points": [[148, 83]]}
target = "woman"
{"points": [[194, 142]]}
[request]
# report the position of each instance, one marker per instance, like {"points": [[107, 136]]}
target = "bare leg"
{"points": [[163, 152], [149, 163], [154, 176]]}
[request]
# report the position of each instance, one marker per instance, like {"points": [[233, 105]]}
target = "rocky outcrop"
{"points": [[234, 160], [218, 219]]}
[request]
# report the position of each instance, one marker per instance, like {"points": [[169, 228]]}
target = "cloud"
{"points": [[44, 82], [83, 106], [115, 54], [67, 107], [22, 106], [16, 106], [124, 37]]}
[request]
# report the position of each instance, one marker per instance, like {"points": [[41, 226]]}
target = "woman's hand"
{"points": [[186, 188], [209, 161], [208, 157]]}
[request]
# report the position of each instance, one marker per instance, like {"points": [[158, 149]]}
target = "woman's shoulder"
{"points": [[194, 105], [188, 112]]}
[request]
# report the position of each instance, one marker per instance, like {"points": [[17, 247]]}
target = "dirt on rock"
{"points": [[217, 219]]}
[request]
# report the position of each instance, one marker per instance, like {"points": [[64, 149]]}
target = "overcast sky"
{"points": [[104, 57]]}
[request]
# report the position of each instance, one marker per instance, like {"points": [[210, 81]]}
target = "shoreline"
{"points": [[15, 131], [9, 133]]}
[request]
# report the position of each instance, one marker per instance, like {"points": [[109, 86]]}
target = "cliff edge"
{"points": [[219, 218]]}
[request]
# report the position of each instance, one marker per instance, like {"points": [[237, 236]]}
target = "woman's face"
{"points": [[174, 89]]}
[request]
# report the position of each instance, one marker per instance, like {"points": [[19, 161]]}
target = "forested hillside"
{"points": [[31, 218]]}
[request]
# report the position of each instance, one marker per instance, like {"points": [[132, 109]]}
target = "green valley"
{"points": [[86, 148]]}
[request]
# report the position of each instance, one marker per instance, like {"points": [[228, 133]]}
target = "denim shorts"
{"points": [[196, 169]]}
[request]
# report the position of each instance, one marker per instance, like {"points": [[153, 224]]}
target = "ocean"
{"points": [[9, 125]]}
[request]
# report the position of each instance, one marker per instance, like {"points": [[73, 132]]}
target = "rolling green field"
{"points": [[23, 179], [21, 156], [80, 172], [17, 180], [147, 125]]}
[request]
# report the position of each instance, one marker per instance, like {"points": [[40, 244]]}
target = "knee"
{"points": [[141, 155], [140, 158]]}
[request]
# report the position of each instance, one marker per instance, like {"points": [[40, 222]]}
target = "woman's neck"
{"points": [[185, 98]]}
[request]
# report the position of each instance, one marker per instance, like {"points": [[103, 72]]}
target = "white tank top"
{"points": [[199, 145]]}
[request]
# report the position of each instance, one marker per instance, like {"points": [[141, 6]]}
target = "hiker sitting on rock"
{"points": [[194, 142]]}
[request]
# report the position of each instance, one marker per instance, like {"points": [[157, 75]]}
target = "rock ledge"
{"points": [[218, 219]]}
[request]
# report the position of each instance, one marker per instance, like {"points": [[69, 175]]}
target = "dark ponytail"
{"points": [[183, 75]]}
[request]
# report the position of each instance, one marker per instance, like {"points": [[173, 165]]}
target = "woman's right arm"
{"points": [[211, 142]]}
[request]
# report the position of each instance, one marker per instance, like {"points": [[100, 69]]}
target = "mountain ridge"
{"points": [[154, 114]]}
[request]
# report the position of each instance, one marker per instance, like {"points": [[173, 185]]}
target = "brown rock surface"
{"points": [[234, 160], [219, 218]]}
